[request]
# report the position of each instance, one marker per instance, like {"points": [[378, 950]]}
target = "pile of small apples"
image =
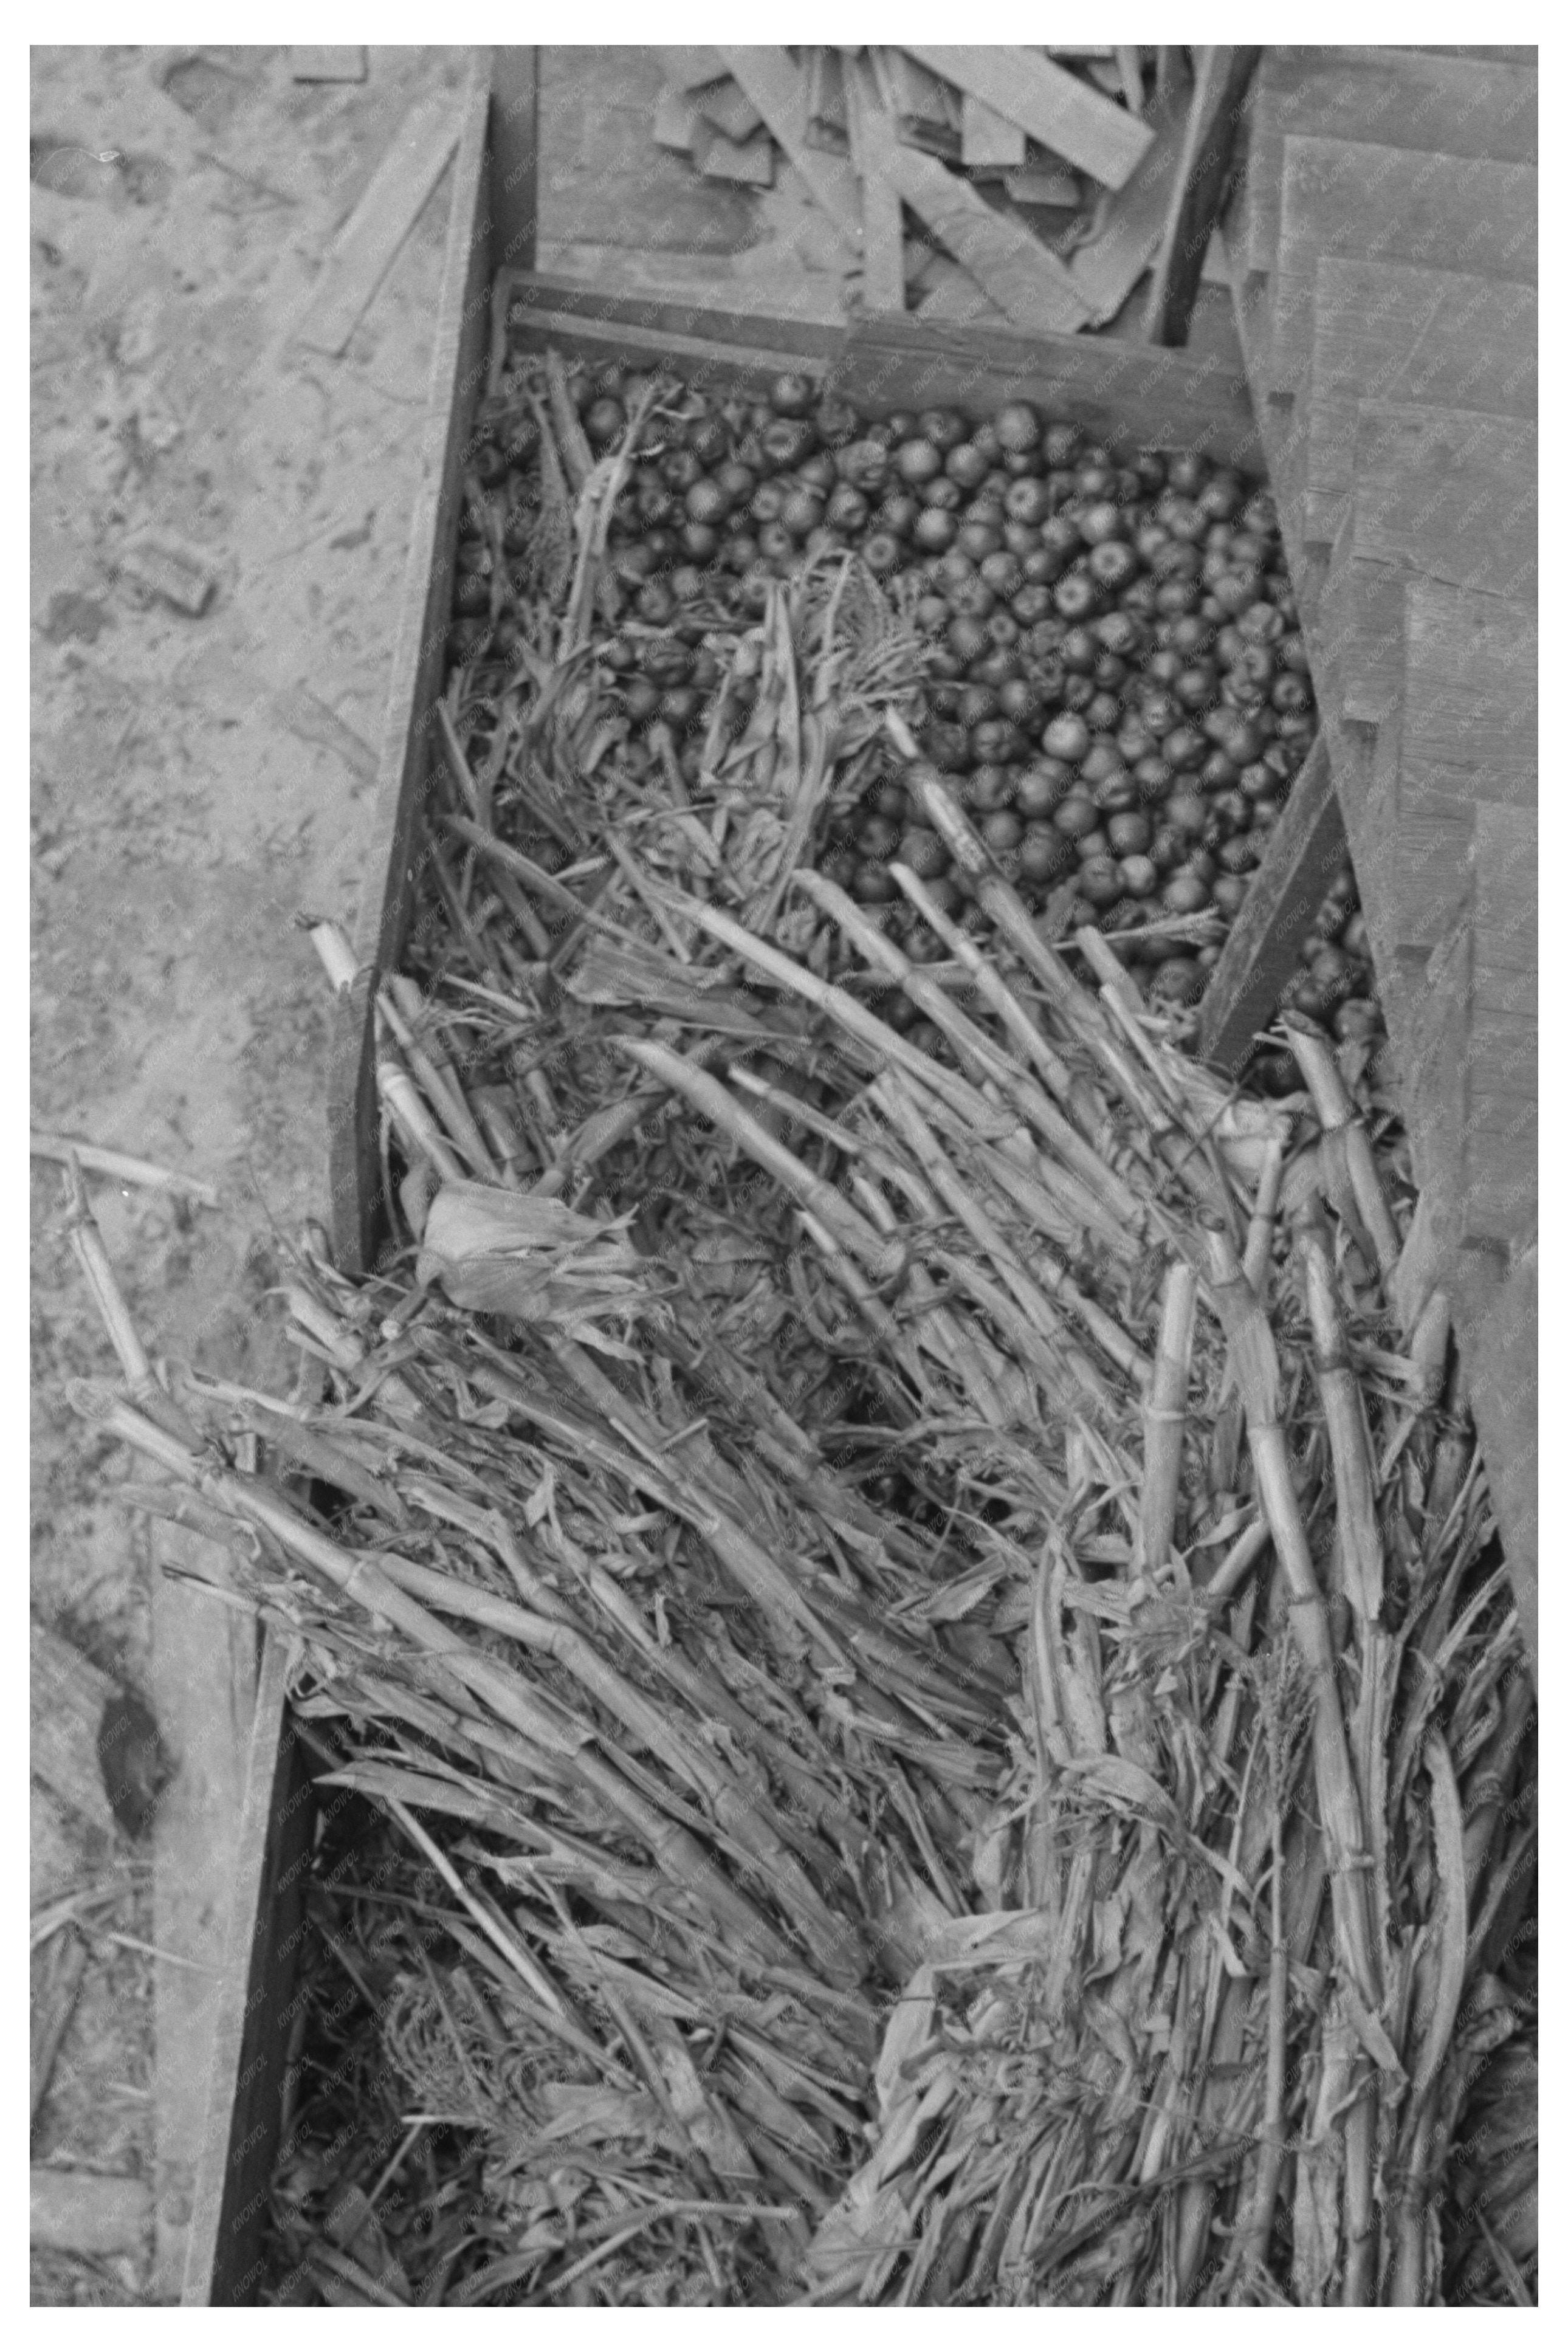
{"points": [[1116, 689]]}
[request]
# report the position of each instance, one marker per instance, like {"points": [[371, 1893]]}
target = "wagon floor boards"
{"points": [[1385, 244]]}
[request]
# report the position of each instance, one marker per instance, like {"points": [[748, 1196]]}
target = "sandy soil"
{"points": [[198, 782]]}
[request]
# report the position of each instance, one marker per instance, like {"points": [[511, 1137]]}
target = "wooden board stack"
{"points": [[1384, 246], [1054, 180]]}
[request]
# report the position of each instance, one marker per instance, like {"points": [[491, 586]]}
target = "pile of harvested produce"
{"points": [[904, 1573], [1103, 658]]}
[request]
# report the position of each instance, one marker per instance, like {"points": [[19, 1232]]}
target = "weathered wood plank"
{"points": [[1378, 203], [777, 90], [1022, 277], [1386, 331], [367, 245], [1469, 693], [988, 139], [726, 106], [1500, 1351], [746, 163], [691, 66], [1107, 266], [234, 2165], [1127, 396], [1506, 916], [1220, 85], [1393, 98], [1305, 852], [1448, 492], [1051, 104], [474, 228], [323, 64], [871, 144]]}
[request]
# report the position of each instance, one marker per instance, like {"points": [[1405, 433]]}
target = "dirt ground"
{"points": [[197, 784]]}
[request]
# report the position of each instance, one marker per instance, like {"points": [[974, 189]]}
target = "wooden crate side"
{"points": [[418, 674], [234, 2168], [1306, 850], [1132, 395]]}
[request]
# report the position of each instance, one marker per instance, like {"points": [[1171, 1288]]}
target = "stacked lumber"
{"points": [[1054, 181], [1384, 244]]}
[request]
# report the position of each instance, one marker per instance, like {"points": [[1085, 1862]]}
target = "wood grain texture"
{"points": [[1126, 237], [1389, 98], [871, 144], [1387, 330], [1384, 203], [987, 138], [1448, 492], [367, 245], [512, 128], [1024, 277], [1306, 850], [203, 1688], [1051, 104], [1469, 694], [689, 66], [1221, 81], [1500, 1347], [458, 372], [239, 2147], [776, 88]]}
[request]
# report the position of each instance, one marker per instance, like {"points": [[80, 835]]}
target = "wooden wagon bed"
{"points": [[1383, 246]]}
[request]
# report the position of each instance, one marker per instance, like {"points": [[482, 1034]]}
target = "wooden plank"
{"points": [[1507, 923], [1220, 85], [1385, 330], [327, 65], [871, 144], [777, 90], [1306, 850], [368, 242], [1383, 204], [481, 215], [1108, 266], [916, 102], [674, 121], [1450, 492], [203, 1688], [1044, 184], [1393, 98], [513, 137], [826, 105], [1127, 395], [1022, 276], [726, 106], [747, 163], [1500, 1348], [229, 2216], [1051, 104], [1469, 694], [689, 66], [988, 139]]}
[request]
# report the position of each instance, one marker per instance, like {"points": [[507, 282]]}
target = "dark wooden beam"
{"points": [[1202, 174], [1305, 852]]}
